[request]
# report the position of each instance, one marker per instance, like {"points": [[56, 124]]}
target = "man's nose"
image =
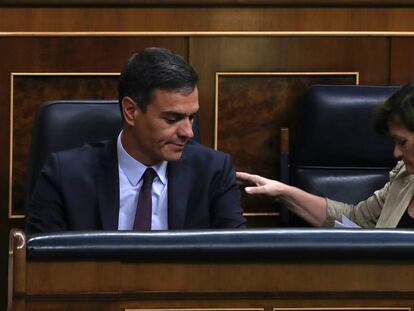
{"points": [[397, 151], [186, 129]]}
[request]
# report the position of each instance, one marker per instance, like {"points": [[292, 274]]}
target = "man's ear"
{"points": [[129, 109]]}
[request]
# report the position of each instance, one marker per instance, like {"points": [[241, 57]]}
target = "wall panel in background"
{"points": [[402, 60], [44, 87], [41, 39], [251, 108], [207, 19], [368, 56]]}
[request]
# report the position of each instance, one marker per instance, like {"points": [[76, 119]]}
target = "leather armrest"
{"points": [[223, 245]]}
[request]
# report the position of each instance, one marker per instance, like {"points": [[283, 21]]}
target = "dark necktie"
{"points": [[143, 214]]}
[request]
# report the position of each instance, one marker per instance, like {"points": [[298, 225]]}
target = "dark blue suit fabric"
{"points": [[78, 189]]}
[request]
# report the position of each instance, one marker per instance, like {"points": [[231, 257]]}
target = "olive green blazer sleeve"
{"points": [[383, 209]]}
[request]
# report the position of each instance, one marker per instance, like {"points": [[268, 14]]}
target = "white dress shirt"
{"points": [[130, 182]]}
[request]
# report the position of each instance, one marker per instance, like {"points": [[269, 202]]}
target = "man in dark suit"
{"points": [[153, 176]]}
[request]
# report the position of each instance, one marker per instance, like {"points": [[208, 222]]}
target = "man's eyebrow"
{"points": [[172, 113], [177, 114]]}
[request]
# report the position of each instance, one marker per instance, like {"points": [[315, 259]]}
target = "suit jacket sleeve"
{"points": [[225, 199], [45, 211]]}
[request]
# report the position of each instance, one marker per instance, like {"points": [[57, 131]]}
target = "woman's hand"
{"points": [[308, 206], [259, 185]]}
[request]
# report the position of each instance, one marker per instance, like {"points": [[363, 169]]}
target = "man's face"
{"points": [[161, 132]]}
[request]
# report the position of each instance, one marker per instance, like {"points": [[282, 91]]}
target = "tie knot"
{"points": [[148, 176]]}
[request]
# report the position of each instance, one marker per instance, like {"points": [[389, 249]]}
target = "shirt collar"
{"points": [[134, 169]]}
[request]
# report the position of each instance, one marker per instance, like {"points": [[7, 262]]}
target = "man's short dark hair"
{"points": [[399, 106], [152, 69]]}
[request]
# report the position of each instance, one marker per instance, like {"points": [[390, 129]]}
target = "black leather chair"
{"points": [[66, 124], [336, 152]]}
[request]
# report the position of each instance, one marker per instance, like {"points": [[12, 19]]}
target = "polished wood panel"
{"points": [[209, 284], [56, 277], [402, 60], [342, 309], [279, 54], [368, 56], [241, 3], [221, 305], [377, 61], [16, 277], [57, 55], [195, 19], [52, 55], [251, 109], [200, 309], [260, 277], [41, 89]]}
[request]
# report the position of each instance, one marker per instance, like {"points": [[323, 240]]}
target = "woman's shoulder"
{"points": [[399, 170]]}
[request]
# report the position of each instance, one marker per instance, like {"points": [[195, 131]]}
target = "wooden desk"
{"points": [[223, 284]]}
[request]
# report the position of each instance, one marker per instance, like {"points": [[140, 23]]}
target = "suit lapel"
{"points": [[178, 190], [107, 182]]}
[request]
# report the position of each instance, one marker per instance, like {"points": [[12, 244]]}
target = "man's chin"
{"points": [[173, 156]]}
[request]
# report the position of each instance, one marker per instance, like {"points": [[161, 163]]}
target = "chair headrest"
{"points": [[335, 127]]}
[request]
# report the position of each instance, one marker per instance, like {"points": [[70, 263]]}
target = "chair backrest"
{"points": [[336, 152], [66, 124]]}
